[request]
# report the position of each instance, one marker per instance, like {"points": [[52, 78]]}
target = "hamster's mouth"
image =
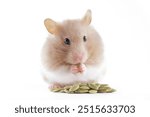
{"points": [[74, 63]]}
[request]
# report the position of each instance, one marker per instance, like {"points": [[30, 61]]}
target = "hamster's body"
{"points": [[62, 76], [73, 53]]}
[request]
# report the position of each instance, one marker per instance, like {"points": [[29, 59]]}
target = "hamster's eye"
{"points": [[84, 38], [67, 41]]}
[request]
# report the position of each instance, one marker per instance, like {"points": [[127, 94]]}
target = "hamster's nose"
{"points": [[78, 57]]}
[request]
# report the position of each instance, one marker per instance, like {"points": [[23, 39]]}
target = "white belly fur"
{"points": [[65, 77]]}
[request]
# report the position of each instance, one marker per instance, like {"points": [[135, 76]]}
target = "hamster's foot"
{"points": [[78, 68], [55, 85], [82, 68]]}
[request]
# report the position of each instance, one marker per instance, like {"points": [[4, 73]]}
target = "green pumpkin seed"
{"points": [[103, 88], [92, 91], [70, 92], [84, 87], [102, 91], [62, 91], [66, 90], [98, 85], [110, 90], [82, 91], [83, 84], [67, 87], [103, 85], [56, 89], [74, 88], [93, 86]]}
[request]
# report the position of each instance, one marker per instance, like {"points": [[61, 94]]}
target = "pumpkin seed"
{"points": [[110, 90], [56, 89], [66, 91], [103, 88], [67, 87], [104, 85], [92, 91], [74, 87], [82, 91], [98, 85], [93, 86], [62, 91], [84, 87], [83, 84]]}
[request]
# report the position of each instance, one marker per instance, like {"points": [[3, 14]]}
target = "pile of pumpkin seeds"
{"points": [[85, 88]]}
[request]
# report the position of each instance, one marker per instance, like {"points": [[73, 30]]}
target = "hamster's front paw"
{"points": [[80, 68], [74, 69]]}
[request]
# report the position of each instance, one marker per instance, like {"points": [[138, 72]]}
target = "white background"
{"points": [[125, 29]]}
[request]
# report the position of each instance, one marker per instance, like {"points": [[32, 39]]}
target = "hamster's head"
{"points": [[74, 40]]}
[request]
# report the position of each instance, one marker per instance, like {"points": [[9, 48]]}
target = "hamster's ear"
{"points": [[50, 25], [87, 17]]}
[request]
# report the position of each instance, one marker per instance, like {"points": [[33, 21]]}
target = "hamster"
{"points": [[73, 52]]}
